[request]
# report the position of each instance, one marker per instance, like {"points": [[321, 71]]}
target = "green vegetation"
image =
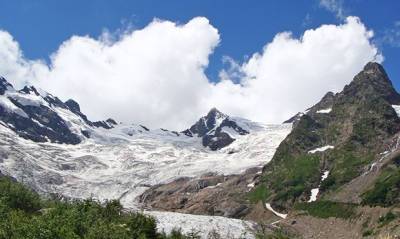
{"points": [[386, 191], [384, 220], [346, 165], [292, 178], [368, 233], [325, 209], [24, 215], [361, 121], [260, 193]]}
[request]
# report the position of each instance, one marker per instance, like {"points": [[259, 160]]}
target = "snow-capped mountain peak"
{"points": [[39, 116], [218, 130]]}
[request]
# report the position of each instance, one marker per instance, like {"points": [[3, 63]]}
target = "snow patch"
{"points": [[27, 99], [251, 185], [324, 111], [281, 215], [397, 109], [314, 194], [315, 191], [321, 149], [248, 125], [324, 175], [10, 107], [214, 186]]}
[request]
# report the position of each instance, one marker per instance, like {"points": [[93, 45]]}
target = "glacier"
{"points": [[123, 162]]}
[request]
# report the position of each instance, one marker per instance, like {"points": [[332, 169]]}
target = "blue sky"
{"points": [[41, 26], [167, 74]]}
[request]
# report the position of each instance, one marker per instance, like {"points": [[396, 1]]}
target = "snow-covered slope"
{"points": [[118, 163], [123, 162], [56, 150]]}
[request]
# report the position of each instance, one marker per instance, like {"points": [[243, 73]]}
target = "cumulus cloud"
{"points": [[291, 74], [14, 66], [155, 75]]}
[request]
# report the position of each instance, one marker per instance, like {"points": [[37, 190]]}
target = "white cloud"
{"points": [[155, 75], [334, 6], [14, 66], [291, 74]]}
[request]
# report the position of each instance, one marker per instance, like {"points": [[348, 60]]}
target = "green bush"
{"points": [[386, 191], [260, 193], [367, 233], [16, 196], [24, 215], [325, 209], [390, 216]]}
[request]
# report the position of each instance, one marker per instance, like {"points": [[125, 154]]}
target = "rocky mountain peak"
{"points": [[73, 105], [112, 121], [4, 85], [29, 90], [214, 113], [206, 123], [374, 68], [328, 96], [213, 129], [39, 116], [373, 82]]}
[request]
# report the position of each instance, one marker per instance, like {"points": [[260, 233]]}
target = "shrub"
{"points": [[23, 216], [386, 191], [16, 196], [325, 209]]}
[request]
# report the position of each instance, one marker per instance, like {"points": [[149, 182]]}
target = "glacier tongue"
{"points": [[204, 225]]}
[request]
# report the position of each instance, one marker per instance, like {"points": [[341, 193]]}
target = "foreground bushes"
{"points": [[24, 215]]}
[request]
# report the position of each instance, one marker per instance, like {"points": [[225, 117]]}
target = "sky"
{"points": [[166, 63]]}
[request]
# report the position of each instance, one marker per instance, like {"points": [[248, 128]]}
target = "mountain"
{"points": [[42, 117], [39, 116], [336, 161], [340, 139], [218, 130], [53, 148], [335, 175]]}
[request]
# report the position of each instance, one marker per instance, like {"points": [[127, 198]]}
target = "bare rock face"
{"points": [[208, 195]]}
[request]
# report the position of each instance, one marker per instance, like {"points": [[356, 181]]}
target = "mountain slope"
{"points": [[340, 136], [51, 146]]}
